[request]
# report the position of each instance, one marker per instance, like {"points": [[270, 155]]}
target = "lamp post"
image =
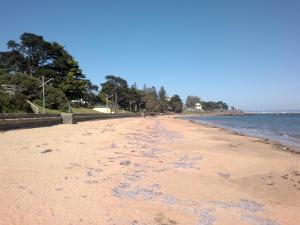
{"points": [[130, 102], [43, 85], [107, 97]]}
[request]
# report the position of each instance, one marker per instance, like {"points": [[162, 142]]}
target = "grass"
{"points": [[74, 110], [85, 110], [48, 111], [78, 110]]}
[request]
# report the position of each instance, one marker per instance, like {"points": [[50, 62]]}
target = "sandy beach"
{"points": [[136, 171]]}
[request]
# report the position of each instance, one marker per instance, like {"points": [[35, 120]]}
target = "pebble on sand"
{"points": [[125, 162]]}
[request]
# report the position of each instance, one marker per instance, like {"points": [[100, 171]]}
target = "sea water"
{"points": [[282, 127]]}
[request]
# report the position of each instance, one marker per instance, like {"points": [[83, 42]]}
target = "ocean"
{"points": [[282, 127]]}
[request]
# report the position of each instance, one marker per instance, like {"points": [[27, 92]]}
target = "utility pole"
{"points": [[43, 86], [43, 94], [108, 97], [69, 107], [106, 102], [130, 103], [116, 102]]}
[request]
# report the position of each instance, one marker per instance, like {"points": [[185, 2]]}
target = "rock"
{"points": [[125, 162], [46, 151]]}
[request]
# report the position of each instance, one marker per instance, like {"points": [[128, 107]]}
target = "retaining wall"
{"points": [[18, 121]]}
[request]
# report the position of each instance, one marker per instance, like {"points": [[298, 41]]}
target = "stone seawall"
{"points": [[21, 121]]}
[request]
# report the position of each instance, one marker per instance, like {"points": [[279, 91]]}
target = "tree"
{"points": [[36, 57], [74, 84], [118, 88], [12, 61], [176, 104], [29, 85], [212, 106], [151, 100], [29, 54], [91, 93], [222, 105], [30, 90], [55, 99], [13, 103], [163, 103], [191, 101], [135, 98]]}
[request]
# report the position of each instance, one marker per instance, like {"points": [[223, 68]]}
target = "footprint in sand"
{"points": [[161, 219]]}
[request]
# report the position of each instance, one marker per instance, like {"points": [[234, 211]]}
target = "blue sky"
{"points": [[246, 53]]}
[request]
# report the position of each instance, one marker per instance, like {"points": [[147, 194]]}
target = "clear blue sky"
{"points": [[246, 53]]}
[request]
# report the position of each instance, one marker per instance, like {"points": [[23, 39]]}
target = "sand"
{"points": [[134, 171]]}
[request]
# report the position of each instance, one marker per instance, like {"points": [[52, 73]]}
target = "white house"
{"points": [[198, 106]]}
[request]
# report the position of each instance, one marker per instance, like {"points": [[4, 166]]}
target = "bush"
{"points": [[54, 99], [176, 104], [31, 90], [29, 85], [4, 102], [13, 103]]}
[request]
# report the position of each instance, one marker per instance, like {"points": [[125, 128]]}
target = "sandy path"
{"points": [[144, 171]]}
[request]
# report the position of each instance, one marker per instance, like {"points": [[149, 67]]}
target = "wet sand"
{"points": [[139, 171]]}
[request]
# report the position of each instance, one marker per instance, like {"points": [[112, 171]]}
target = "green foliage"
{"points": [[73, 86], [102, 98], [30, 89], [207, 106], [116, 88], [176, 104], [55, 99], [4, 102], [13, 103], [91, 93], [163, 102], [29, 85], [151, 100], [28, 55], [32, 57], [191, 101], [213, 106], [36, 57], [135, 98], [12, 61]]}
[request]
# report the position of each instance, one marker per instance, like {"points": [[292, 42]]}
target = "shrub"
{"points": [[13, 103]]}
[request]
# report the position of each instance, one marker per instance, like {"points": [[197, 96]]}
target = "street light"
{"points": [[43, 85], [107, 97], [130, 102]]}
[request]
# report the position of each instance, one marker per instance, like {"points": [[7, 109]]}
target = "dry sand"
{"points": [[145, 171]]}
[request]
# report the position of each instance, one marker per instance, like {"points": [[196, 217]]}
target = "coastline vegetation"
{"points": [[27, 61]]}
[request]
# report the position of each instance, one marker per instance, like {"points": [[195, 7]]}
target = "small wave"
{"points": [[297, 136]]}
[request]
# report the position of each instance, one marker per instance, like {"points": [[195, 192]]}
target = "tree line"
{"points": [[30, 59], [116, 91], [191, 102], [25, 62]]}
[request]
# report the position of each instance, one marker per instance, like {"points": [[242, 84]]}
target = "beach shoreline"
{"points": [[153, 170], [277, 145]]}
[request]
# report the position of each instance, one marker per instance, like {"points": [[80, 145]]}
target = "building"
{"points": [[198, 106]]}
